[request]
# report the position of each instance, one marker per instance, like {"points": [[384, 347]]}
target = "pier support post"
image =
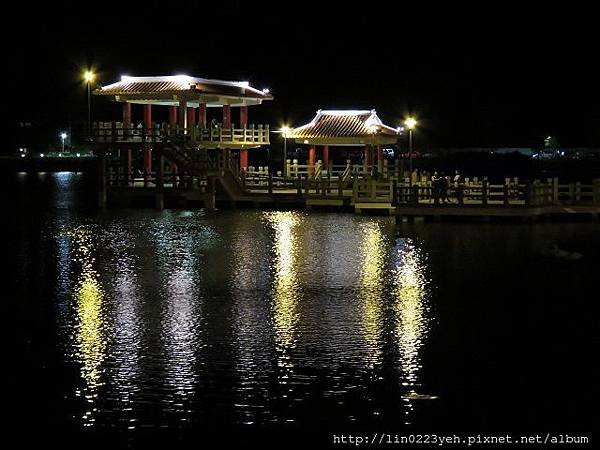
{"points": [[244, 159], [101, 179], [130, 166], [160, 182], [147, 139], [210, 195]]}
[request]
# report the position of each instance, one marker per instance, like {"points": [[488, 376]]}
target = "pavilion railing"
{"points": [[108, 132]]}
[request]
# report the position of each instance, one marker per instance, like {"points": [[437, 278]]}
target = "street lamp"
{"points": [[89, 77], [63, 136], [285, 130], [410, 123]]}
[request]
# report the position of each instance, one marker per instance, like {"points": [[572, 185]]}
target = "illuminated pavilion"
{"points": [[188, 99], [345, 128]]}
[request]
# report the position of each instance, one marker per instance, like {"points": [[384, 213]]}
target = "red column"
{"points": [[379, 153], [126, 115], [191, 117], [202, 115], [182, 108], [226, 116], [326, 155], [312, 154], [243, 158], [243, 116], [367, 155], [173, 115], [148, 116], [147, 149]]}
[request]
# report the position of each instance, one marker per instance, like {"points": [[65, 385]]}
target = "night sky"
{"points": [[474, 76]]}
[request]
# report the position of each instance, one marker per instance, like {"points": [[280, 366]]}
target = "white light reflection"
{"points": [[412, 319], [177, 247], [251, 322], [127, 327]]}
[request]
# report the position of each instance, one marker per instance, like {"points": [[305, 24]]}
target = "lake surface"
{"points": [[141, 326]]}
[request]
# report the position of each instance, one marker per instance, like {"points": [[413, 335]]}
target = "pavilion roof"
{"points": [[345, 127], [171, 89]]}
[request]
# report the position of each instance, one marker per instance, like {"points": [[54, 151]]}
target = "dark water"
{"points": [[136, 326]]}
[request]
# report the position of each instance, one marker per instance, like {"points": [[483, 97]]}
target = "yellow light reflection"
{"points": [[412, 318], [90, 336], [286, 292], [371, 288]]}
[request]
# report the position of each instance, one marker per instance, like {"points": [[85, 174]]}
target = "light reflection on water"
{"points": [[370, 292], [90, 344], [412, 317], [310, 308]]}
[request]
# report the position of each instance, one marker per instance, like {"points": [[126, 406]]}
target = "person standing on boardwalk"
{"points": [[435, 187], [444, 182]]}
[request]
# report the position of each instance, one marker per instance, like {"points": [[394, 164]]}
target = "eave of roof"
{"points": [[345, 127], [183, 85]]}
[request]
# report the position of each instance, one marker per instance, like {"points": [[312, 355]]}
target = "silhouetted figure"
{"points": [[444, 182], [435, 187]]}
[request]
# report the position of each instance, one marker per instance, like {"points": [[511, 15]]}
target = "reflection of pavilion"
{"points": [[345, 128]]}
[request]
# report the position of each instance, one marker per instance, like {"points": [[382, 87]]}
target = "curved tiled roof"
{"points": [[178, 84], [343, 124]]}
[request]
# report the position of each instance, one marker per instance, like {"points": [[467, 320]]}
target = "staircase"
{"points": [[192, 160], [196, 162]]}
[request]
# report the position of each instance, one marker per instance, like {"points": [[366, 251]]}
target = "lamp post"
{"points": [[410, 123], [285, 130], [89, 76], [63, 136]]}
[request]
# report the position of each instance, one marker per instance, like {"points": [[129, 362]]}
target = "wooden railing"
{"points": [[107, 132]]}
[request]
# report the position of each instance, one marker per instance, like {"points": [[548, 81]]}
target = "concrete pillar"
{"points": [[202, 115], [326, 155], [172, 115], [182, 110], [243, 116], [226, 116]]}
